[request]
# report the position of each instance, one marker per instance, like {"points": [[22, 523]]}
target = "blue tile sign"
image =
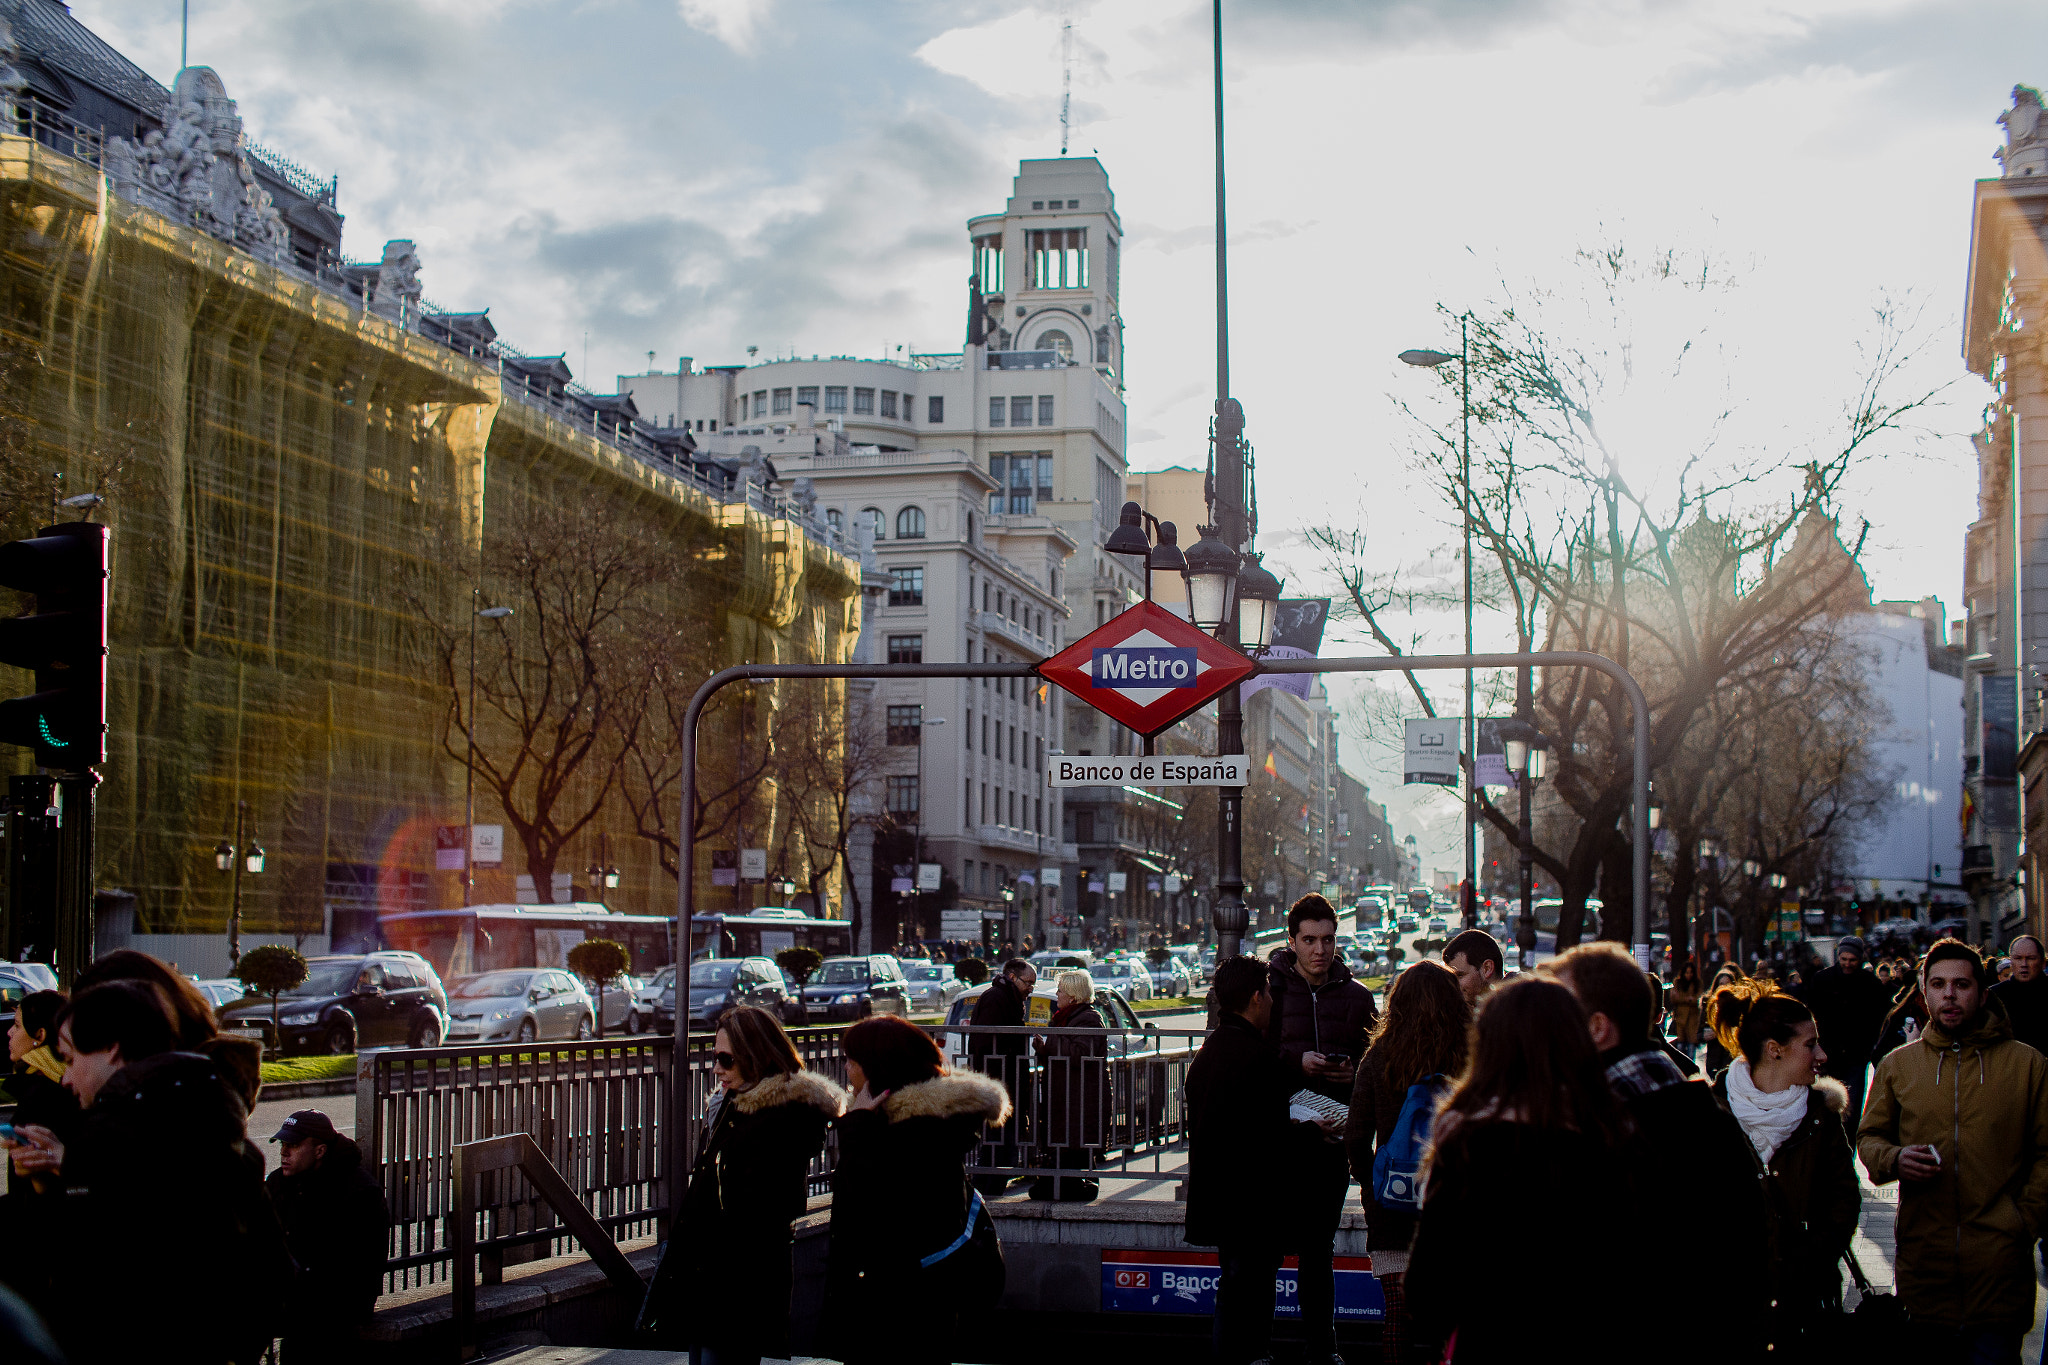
{"points": [[1124, 666], [1185, 1282]]}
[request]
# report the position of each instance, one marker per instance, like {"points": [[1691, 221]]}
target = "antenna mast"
{"points": [[1066, 73]]}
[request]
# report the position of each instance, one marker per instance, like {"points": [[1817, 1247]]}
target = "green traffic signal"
{"points": [[63, 642]]}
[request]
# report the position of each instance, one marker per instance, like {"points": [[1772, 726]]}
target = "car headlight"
{"points": [[499, 1016], [302, 1018], [846, 999]]}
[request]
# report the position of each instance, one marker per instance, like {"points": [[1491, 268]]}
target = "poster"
{"points": [[1491, 767], [486, 845], [1297, 634], [725, 867], [1431, 752], [447, 848]]}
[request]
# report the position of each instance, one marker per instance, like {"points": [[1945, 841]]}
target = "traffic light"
{"points": [[64, 643]]}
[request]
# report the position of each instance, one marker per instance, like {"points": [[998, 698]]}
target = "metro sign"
{"points": [[1146, 668]]}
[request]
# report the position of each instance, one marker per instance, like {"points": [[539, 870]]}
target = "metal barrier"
{"points": [[595, 1110]]}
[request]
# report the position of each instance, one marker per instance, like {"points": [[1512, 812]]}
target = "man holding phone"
{"points": [[1320, 1020], [1959, 1117]]}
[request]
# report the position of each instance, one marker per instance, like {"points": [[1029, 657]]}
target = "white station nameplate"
{"points": [[1161, 770]]}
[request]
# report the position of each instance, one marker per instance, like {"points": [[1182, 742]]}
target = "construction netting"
{"points": [[307, 504]]}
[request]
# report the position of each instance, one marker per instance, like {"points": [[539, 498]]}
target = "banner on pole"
{"points": [[1431, 752], [1297, 634]]}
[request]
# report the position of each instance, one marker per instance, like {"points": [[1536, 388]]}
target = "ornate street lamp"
{"points": [[1258, 604], [237, 858], [1211, 573]]}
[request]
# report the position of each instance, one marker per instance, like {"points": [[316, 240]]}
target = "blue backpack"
{"points": [[1397, 1165]]}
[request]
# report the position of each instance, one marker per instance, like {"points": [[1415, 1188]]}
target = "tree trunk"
{"points": [[1618, 892], [1677, 916]]}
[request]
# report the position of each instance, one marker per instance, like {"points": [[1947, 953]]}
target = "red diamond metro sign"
{"points": [[1146, 668]]}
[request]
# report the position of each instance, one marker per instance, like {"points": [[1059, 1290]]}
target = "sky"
{"points": [[694, 177]]}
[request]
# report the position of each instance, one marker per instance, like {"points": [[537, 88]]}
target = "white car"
{"points": [[221, 992], [524, 1003], [933, 985]]}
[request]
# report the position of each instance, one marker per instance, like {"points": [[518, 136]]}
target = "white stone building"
{"points": [[990, 478]]}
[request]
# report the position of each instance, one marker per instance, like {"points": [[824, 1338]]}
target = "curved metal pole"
{"points": [[1639, 707]]}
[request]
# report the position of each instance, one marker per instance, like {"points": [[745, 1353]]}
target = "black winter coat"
{"points": [[1375, 1109], [1849, 1010], [1076, 1081], [1472, 1269], [2026, 1005], [1811, 1204], [1686, 1141], [165, 1195], [725, 1276], [1237, 1093], [1001, 1003], [1907, 1007], [44, 1102], [899, 1194], [1334, 1017], [334, 1222]]}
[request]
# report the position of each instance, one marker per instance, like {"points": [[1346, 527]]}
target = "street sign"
{"points": [[1431, 752], [1146, 668], [1117, 881], [1160, 770], [1048, 876], [1172, 882], [928, 876], [486, 845], [754, 864], [961, 923]]}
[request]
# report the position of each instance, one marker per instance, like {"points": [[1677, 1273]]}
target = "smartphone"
{"points": [[7, 1132], [1337, 1058]]}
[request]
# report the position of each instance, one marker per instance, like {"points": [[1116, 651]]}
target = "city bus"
{"points": [[766, 932], [484, 938]]}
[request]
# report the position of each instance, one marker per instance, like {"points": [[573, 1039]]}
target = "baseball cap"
{"points": [[306, 1123]]}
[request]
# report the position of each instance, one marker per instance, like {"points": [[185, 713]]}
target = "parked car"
{"points": [[526, 1004], [1126, 975], [1049, 959], [648, 996], [856, 987], [383, 999], [933, 985], [716, 984], [1405, 922], [622, 1007], [18, 979], [221, 992], [1439, 928]]}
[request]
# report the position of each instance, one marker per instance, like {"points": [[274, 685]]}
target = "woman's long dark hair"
{"points": [[191, 1011], [1749, 1018], [1426, 1029], [1533, 1063], [759, 1045], [893, 1052], [38, 1013]]}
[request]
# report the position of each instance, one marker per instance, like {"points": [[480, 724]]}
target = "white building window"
{"points": [[1045, 409], [1056, 340], [835, 398], [808, 395], [997, 408], [1020, 411], [864, 401], [910, 524], [888, 402], [781, 407]]}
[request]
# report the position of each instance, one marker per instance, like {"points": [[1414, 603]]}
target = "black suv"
{"points": [[856, 987], [716, 984], [363, 1000]]}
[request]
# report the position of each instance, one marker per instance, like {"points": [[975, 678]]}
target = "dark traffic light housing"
{"points": [[64, 642]]}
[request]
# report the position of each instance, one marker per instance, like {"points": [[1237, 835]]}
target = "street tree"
{"points": [[600, 961], [271, 969], [831, 756], [800, 962], [1696, 567]]}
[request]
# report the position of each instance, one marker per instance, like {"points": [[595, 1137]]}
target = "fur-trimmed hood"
{"points": [[1833, 1094], [962, 1093], [801, 1087]]}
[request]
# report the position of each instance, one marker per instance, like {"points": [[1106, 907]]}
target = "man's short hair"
{"points": [[1238, 980], [1608, 981], [1477, 946], [1952, 950], [1311, 906], [1018, 964], [2029, 938]]}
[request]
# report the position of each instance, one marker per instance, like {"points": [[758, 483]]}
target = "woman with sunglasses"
{"points": [[722, 1287]]}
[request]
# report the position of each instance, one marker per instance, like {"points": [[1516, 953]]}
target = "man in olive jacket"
{"points": [[1960, 1118]]}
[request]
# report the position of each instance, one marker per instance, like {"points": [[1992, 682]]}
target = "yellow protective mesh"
{"points": [[275, 461]]}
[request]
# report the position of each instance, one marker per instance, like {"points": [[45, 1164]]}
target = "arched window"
{"points": [[873, 517], [835, 519], [1056, 341], [910, 524]]}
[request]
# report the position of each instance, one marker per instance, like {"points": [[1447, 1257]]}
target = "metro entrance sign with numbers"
{"points": [[1146, 668]]}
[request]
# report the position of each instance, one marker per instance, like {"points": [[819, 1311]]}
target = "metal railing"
{"points": [[595, 1109]]}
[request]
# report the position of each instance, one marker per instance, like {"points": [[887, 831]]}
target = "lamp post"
{"points": [[1430, 360], [604, 873], [469, 754], [917, 839], [1525, 746], [233, 858]]}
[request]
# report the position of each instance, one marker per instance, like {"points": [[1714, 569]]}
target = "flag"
{"points": [[1969, 810], [1272, 769]]}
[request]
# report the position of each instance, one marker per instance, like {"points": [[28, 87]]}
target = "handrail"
{"points": [[473, 1160]]}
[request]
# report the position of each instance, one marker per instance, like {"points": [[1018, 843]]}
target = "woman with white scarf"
{"points": [[1792, 1116]]}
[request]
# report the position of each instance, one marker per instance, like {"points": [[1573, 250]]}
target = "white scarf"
{"points": [[1768, 1118]]}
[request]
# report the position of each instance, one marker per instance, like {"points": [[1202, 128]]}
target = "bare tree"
{"points": [[1699, 578], [830, 759]]}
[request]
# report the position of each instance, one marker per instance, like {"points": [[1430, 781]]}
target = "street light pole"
{"points": [[235, 913], [1471, 723], [469, 754]]}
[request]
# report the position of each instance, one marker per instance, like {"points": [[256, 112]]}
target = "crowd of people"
{"points": [[1548, 1120], [134, 1186]]}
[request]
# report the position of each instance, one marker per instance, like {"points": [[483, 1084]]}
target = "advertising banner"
{"points": [[447, 848], [725, 867], [1431, 752], [1297, 634], [1491, 767], [1175, 1281]]}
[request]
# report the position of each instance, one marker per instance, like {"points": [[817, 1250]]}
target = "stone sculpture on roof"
{"points": [[196, 172], [2026, 135], [396, 292]]}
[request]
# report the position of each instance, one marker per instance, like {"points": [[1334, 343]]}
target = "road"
{"points": [[269, 1116]]}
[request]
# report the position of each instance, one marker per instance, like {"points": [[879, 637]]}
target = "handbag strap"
{"points": [[1856, 1272], [973, 1213]]}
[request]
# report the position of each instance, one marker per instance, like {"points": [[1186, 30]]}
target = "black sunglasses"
{"points": [[724, 1059]]}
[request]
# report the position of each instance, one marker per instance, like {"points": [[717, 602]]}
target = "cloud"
{"points": [[732, 22]]}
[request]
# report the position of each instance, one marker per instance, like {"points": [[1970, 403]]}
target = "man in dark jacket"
{"points": [[1237, 1092], [334, 1221], [1684, 1140], [1320, 1019], [2025, 993], [1003, 1056], [1849, 1004]]}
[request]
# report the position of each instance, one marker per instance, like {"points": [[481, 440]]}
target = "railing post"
{"points": [[462, 1274]]}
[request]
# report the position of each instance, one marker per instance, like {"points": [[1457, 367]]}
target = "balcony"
{"points": [[1023, 840], [995, 623], [1027, 360]]}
